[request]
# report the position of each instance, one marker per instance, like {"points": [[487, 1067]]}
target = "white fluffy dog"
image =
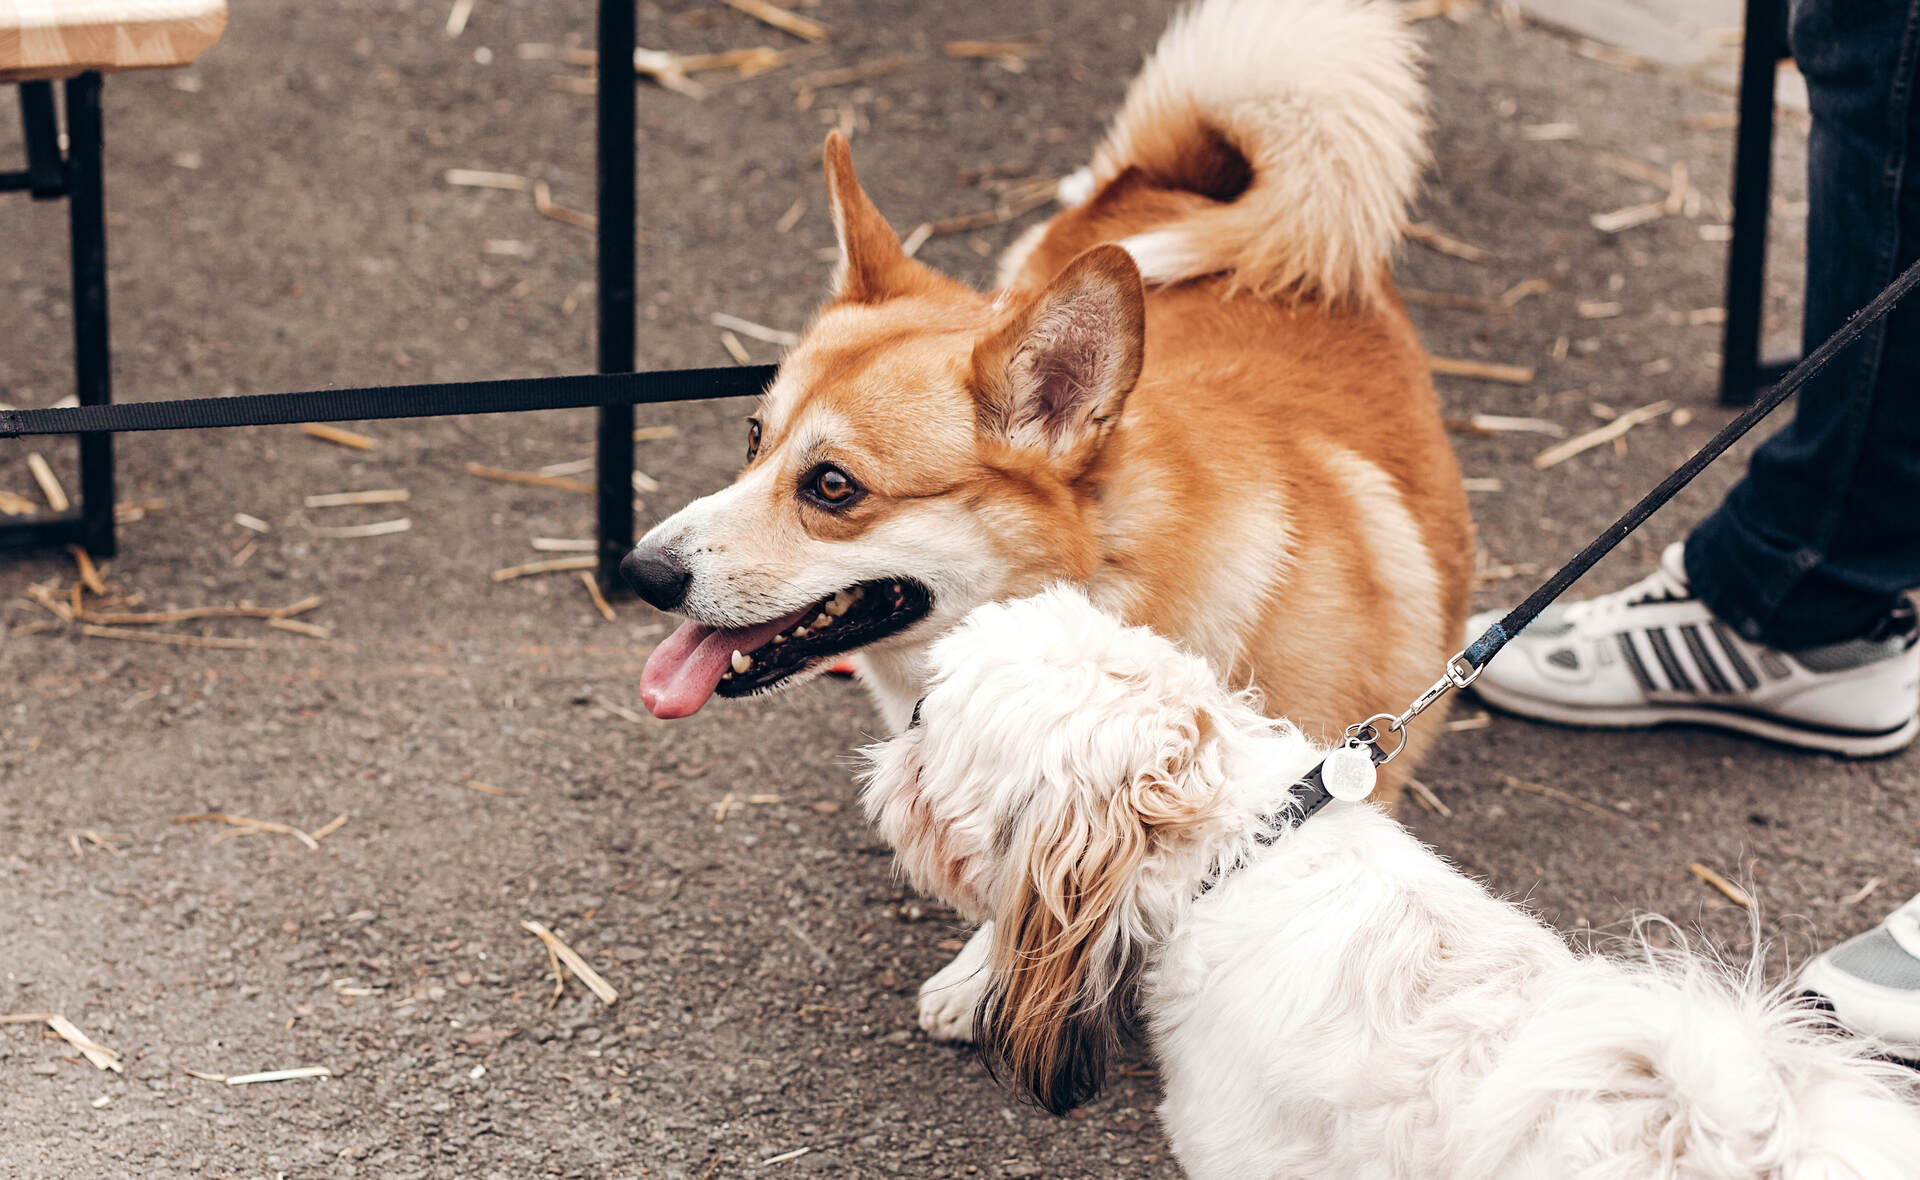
{"points": [[1327, 999]]}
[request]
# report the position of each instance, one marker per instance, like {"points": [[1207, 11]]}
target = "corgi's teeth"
{"points": [[742, 664], [801, 632], [726, 676], [822, 621], [778, 640], [839, 604]]}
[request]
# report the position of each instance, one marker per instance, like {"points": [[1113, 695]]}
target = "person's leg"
{"points": [[1818, 541]]}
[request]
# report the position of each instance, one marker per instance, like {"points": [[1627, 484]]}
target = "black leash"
{"points": [[394, 401]]}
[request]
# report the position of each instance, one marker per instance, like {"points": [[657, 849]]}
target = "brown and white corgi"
{"points": [[1194, 394]]}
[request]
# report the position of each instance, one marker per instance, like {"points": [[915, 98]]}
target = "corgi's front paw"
{"points": [[948, 1000]]}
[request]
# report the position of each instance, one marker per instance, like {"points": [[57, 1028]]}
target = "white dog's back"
{"points": [[1352, 1006]]}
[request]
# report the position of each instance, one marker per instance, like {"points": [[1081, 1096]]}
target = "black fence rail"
{"points": [[615, 389]]}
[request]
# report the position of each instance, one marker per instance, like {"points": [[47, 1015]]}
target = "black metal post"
{"points": [[1741, 371], [45, 177], [92, 362], [615, 152]]}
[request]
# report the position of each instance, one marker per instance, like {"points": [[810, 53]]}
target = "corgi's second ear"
{"points": [[1055, 376], [873, 266]]}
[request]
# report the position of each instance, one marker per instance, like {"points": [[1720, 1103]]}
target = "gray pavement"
{"points": [[280, 221]]}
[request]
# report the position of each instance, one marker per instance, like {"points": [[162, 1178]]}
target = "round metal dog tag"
{"points": [[1348, 773]]}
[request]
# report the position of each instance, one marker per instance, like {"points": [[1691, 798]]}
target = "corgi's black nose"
{"points": [[657, 576]]}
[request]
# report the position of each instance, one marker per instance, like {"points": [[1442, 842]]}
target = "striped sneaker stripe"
{"points": [[1632, 656], [1702, 659], [1735, 660], [1669, 661]]}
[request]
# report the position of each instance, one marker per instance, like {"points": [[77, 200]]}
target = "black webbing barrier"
{"points": [[394, 401]]}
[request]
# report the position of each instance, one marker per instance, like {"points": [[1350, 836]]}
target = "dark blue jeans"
{"points": [[1819, 540]]}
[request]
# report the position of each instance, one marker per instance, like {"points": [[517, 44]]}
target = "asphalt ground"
{"points": [[280, 220]]}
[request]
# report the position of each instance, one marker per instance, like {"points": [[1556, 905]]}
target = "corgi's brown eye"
{"points": [[831, 487], [753, 438]]}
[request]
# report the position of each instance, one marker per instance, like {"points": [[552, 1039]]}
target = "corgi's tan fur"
{"points": [[1243, 451]]}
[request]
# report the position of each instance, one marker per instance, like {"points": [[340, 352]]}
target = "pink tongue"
{"points": [[687, 666]]}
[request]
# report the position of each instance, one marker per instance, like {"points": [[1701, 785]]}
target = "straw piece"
{"points": [[784, 1156], [1512, 296], [49, 483], [1433, 239], [490, 789], [784, 339], [1598, 309], [334, 434], [1427, 798], [1864, 892], [249, 826], [1485, 370], [574, 962], [347, 499], [330, 827], [1483, 483], [599, 600], [251, 523], [780, 18], [1728, 889], [1468, 724], [1620, 220], [529, 478], [565, 544], [172, 638], [1001, 50], [457, 19], [544, 204], [666, 70], [1502, 424], [310, 630], [650, 433], [51, 602], [1555, 793], [1549, 132], [475, 178], [378, 528], [13, 504], [101, 1056], [89, 574], [721, 808], [279, 1075], [735, 349], [1561, 452], [244, 610], [585, 561], [823, 79], [791, 217]]}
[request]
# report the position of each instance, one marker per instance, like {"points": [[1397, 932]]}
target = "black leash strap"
{"points": [[394, 401], [1483, 649]]}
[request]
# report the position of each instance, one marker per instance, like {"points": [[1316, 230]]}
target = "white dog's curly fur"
{"points": [[1344, 1003]]}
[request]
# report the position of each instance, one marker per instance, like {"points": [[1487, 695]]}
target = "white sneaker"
{"points": [[1652, 654], [1873, 982]]}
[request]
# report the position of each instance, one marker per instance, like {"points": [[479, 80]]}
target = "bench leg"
{"points": [[92, 361]]}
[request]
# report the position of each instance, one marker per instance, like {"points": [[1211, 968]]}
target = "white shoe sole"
{"points": [[1845, 744], [1864, 1007]]}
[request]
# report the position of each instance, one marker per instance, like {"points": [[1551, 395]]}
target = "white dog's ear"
{"points": [[1066, 947], [873, 266], [1054, 377]]}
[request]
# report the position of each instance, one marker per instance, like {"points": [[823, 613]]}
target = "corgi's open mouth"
{"points": [[697, 661]]}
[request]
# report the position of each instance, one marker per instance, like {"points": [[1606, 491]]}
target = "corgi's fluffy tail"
{"points": [[1303, 120]]}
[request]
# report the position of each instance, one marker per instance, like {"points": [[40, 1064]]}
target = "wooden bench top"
{"points": [[61, 38]]}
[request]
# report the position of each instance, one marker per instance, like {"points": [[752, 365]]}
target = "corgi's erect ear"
{"points": [[1055, 375], [873, 267]]}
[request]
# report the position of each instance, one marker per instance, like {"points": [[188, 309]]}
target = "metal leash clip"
{"points": [[1352, 767]]}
